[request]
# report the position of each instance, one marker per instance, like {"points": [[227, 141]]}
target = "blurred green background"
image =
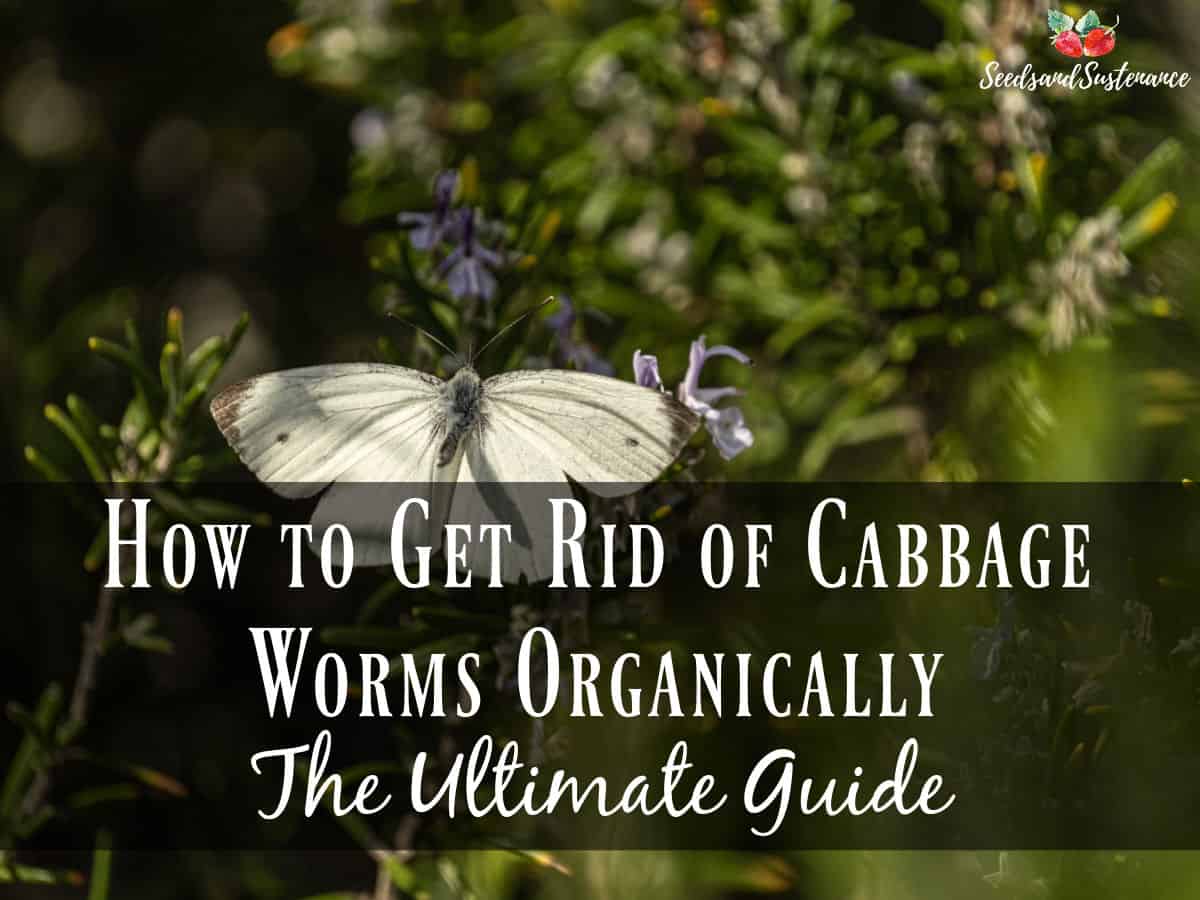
{"points": [[935, 281]]}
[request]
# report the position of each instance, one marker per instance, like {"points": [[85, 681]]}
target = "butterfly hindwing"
{"points": [[508, 481]]}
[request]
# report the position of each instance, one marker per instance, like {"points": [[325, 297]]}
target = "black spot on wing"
{"points": [[282, 437]]}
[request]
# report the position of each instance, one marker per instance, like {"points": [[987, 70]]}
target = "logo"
{"points": [[1087, 37]]}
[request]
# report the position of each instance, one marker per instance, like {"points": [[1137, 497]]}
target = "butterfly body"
{"points": [[462, 410]]}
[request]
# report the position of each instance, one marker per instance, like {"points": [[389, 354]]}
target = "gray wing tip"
{"points": [[683, 421], [225, 408]]}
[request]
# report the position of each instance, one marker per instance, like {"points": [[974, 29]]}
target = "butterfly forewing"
{"points": [[613, 436], [369, 429], [303, 429]]}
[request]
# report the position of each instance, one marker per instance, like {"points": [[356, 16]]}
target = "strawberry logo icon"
{"points": [[1085, 37], [1068, 44], [1100, 41]]}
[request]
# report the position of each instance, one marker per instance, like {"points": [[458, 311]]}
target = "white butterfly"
{"points": [[457, 443]]}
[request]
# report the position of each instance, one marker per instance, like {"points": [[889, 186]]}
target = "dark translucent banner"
{"points": [[724, 666]]}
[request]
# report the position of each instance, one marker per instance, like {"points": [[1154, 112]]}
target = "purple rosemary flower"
{"points": [[431, 228], [563, 319], [467, 269], [581, 355], [645, 370], [730, 433], [585, 358], [727, 425]]}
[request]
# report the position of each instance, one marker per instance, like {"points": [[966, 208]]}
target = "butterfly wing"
{"points": [[366, 428], [613, 436], [540, 427], [505, 480], [303, 429]]}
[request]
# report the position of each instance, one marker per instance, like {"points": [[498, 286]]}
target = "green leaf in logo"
{"points": [[1088, 23], [1058, 21]]}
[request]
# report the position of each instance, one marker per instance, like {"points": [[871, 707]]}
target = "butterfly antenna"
{"points": [[432, 337], [515, 322]]}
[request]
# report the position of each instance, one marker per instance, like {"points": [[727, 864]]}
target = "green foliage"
{"points": [[160, 438], [162, 444], [98, 884]]}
